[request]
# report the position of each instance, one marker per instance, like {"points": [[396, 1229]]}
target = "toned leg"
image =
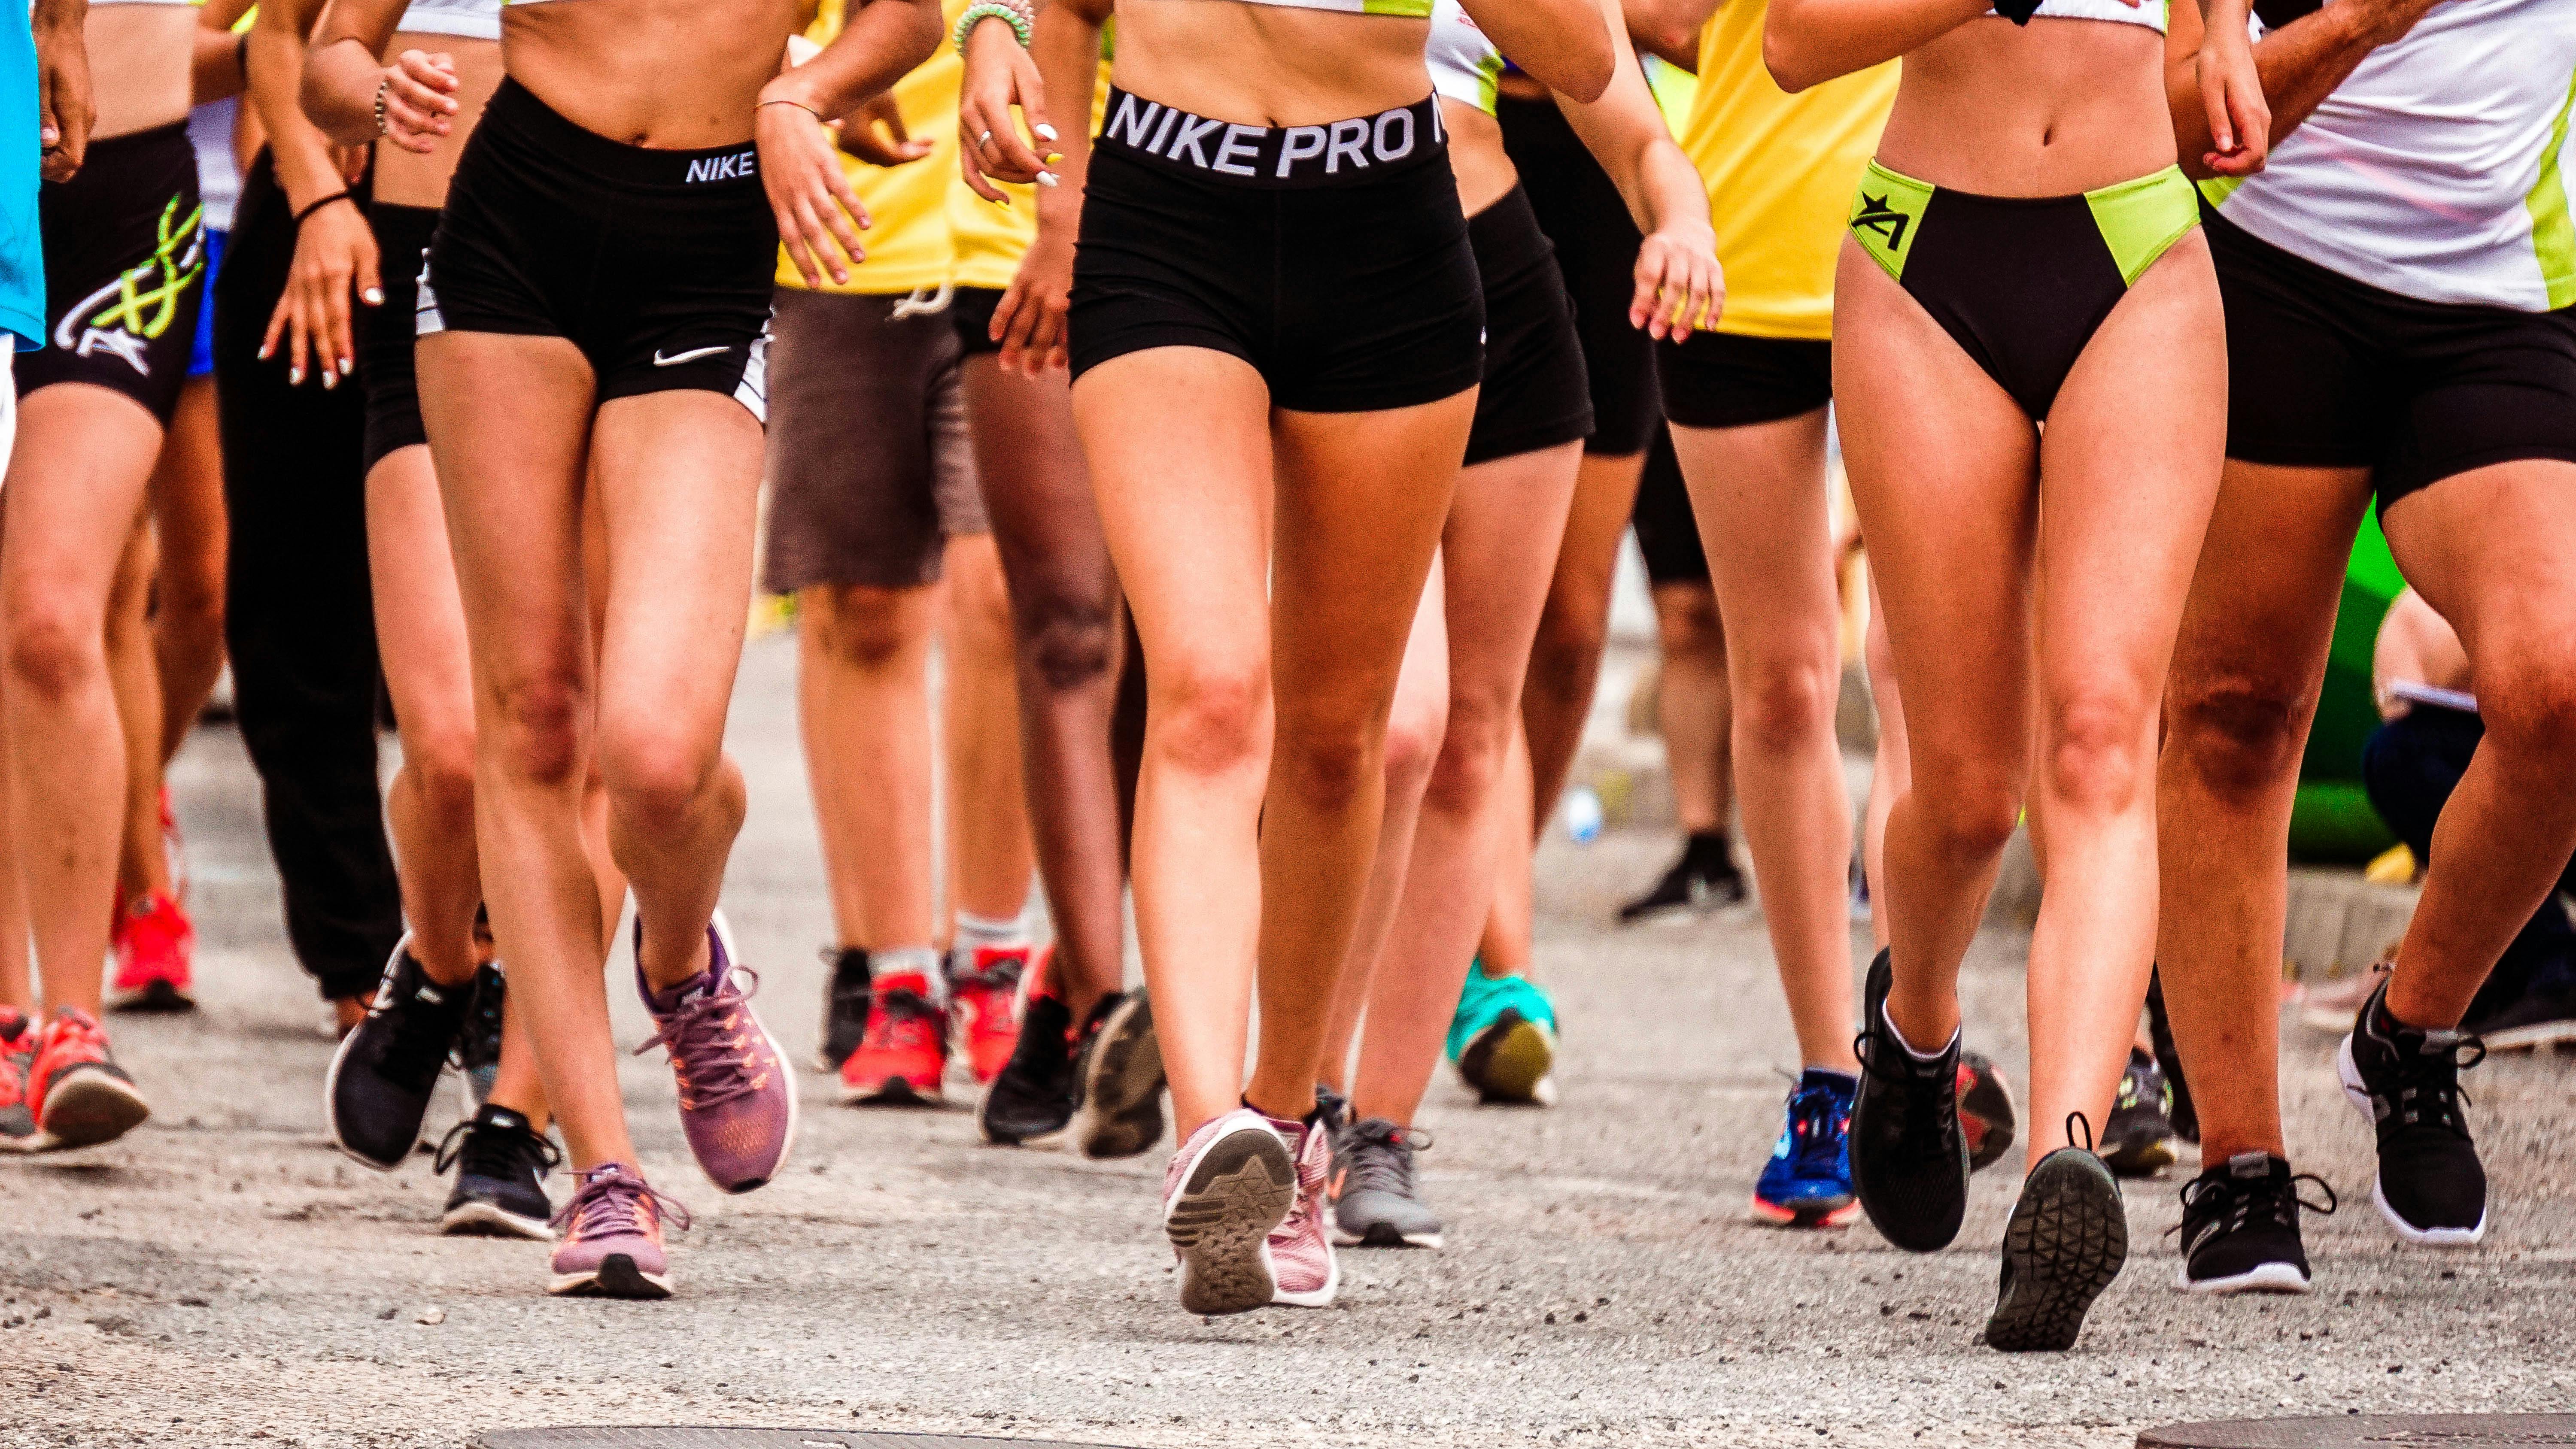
{"points": [[1565, 661], [988, 829], [863, 694], [1775, 592], [1693, 705], [188, 518], [1505, 947], [143, 868], [1894, 770]]}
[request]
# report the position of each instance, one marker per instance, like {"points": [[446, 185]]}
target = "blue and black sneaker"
{"points": [[1503, 1039], [1807, 1182]]}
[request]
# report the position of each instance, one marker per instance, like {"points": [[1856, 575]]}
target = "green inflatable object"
{"points": [[2332, 820]]}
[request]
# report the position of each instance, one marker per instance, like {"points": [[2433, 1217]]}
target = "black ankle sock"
{"points": [[1709, 851]]}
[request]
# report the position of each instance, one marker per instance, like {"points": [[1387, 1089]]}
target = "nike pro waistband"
{"points": [[1337, 153]]}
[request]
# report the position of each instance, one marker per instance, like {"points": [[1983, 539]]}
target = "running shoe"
{"points": [[737, 1097], [1118, 1079], [2180, 1112], [611, 1237], [1987, 1115], [174, 848], [478, 1041], [1376, 1201], [154, 944], [984, 1005], [2540, 1018], [1705, 878], [1503, 1038], [18, 1038], [845, 1006], [1332, 1109], [2431, 1187], [905, 1053], [1909, 1156], [501, 1166], [1031, 1100], [1807, 1183], [83, 1098], [2065, 1242], [1304, 1272], [385, 1072], [2240, 1227], [2138, 1140], [1228, 1187]]}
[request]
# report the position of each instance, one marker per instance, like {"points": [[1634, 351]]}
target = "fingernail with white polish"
{"points": [[375, 296], [1046, 178], [1046, 133]]}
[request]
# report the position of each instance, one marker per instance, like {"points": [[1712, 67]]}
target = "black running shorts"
{"points": [[2327, 372], [970, 311], [656, 264], [1721, 380], [1596, 250], [1534, 392], [1667, 529], [386, 334], [125, 270], [1333, 259]]}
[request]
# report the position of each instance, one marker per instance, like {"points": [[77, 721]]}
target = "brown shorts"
{"points": [[870, 474]]}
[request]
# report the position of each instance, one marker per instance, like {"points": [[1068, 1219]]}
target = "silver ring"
{"points": [[984, 140]]}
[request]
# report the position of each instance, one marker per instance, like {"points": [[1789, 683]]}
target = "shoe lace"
{"points": [[2427, 1091], [1378, 1157], [2229, 1203], [901, 1015], [1931, 1101], [1816, 1117], [1002, 974], [416, 1047], [612, 1200], [712, 1042], [484, 1147]]}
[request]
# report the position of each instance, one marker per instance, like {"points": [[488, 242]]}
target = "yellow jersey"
{"points": [[1780, 171], [989, 240], [907, 239]]}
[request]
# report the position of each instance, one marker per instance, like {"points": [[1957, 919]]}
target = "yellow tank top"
{"points": [[1780, 171], [907, 241], [990, 240]]}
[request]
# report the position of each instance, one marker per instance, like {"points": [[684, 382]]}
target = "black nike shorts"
{"points": [[125, 270], [1667, 529], [656, 264], [386, 334], [1534, 394], [1722, 380], [1596, 250]]}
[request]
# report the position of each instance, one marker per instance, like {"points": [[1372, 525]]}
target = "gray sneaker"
{"points": [[1376, 1202]]}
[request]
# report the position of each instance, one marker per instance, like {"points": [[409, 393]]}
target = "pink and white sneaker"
{"points": [[1304, 1273], [611, 1243], [1227, 1191]]}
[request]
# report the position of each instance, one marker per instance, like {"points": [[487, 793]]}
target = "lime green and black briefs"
{"points": [[2021, 283]]}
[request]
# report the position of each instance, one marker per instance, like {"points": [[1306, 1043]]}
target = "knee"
{"points": [[537, 724], [51, 650], [1471, 752], [1971, 807], [1687, 626], [1210, 717], [1415, 736], [2529, 705], [441, 760], [1784, 704], [1567, 652], [1069, 643], [2101, 749], [2240, 734], [868, 628], [655, 774]]}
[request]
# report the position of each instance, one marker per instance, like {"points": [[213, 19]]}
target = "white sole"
{"points": [[481, 1217], [331, 1081], [2348, 1072], [2263, 1278]]}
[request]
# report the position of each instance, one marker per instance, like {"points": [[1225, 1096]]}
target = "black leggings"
{"points": [[299, 620]]}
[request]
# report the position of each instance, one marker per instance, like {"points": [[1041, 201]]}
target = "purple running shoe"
{"points": [[612, 1237], [737, 1097]]}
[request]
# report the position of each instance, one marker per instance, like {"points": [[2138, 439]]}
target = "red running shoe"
{"points": [[82, 1097], [155, 944], [905, 1052], [1986, 1113], [984, 1004]]}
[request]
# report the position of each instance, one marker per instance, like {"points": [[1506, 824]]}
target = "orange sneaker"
{"points": [[155, 943], [984, 1004], [82, 1097], [905, 1052]]}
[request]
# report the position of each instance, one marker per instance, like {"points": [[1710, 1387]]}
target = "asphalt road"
{"points": [[223, 1277]]}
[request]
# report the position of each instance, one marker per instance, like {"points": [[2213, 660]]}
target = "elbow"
{"points": [[1792, 68], [1593, 80]]}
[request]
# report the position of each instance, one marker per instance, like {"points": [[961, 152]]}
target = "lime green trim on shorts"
{"points": [[1410, 9], [1887, 215], [2217, 189], [2553, 231], [2140, 219]]}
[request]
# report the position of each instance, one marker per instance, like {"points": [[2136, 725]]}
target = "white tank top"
{"points": [[210, 130], [2440, 170], [472, 19], [1405, 9], [2149, 13], [1464, 64]]}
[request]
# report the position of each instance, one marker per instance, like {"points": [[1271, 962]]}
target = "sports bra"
{"points": [[1403, 9], [2149, 13], [1464, 64], [94, 4], [472, 19]]}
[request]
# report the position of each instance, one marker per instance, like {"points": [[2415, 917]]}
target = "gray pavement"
{"points": [[222, 1277]]}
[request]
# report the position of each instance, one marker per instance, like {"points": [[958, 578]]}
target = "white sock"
{"points": [[996, 931], [924, 959], [1931, 1056]]}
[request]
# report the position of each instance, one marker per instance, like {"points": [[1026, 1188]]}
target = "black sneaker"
{"points": [[845, 1005], [2138, 1141], [1118, 1078], [2240, 1227], [1704, 878], [2063, 1245], [501, 1169], [1031, 1100], [1909, 1158], [2540, 1018], [2185, 1118], [387, 1069], [478, 1045], [2430, 1187]]}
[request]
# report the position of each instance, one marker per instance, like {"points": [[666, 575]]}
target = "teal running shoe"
{"points": [[1503, 1039]]}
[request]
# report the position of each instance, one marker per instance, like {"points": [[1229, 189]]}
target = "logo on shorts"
{"points": [[692, 355], [739, 166], [1239, 150], [128, 314], [1876, 215]]}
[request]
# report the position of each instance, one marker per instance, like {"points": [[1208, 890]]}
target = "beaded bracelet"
{"points": [[983, 10]]}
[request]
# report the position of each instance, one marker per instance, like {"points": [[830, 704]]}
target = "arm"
{"points": [[216, 71], [1029, 323], [342, 76], [2299, 65], [63, 106], [1669, 28], [800, 167], [1679, 286], [1001, 77], [335, 249], [2231, 90], [1808, 42], [1565, 44]]}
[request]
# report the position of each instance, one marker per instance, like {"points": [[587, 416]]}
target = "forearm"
{"points": [[339, 91], [215, 67], [306, 171], [1065, 44], [881, 44], [1809, 42], [2300, 64], [56, 18]]}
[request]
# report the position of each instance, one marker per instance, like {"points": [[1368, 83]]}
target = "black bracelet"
{"points": [[313, 206]]}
